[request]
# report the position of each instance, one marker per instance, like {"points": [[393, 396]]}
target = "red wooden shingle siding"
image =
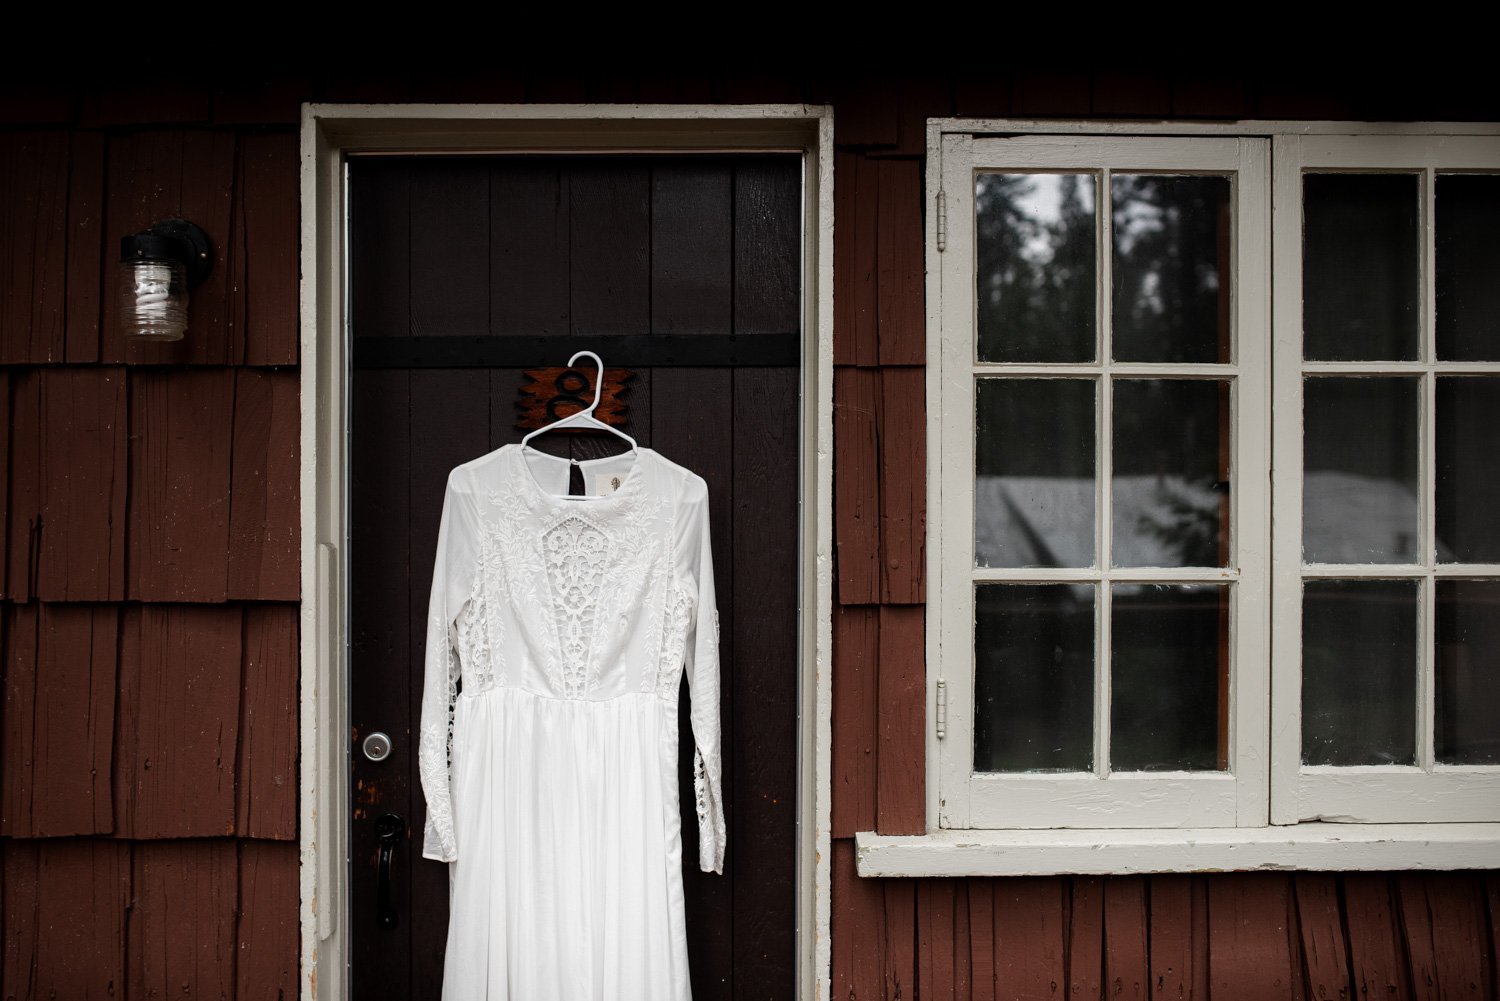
{"points": [[149, 541]]}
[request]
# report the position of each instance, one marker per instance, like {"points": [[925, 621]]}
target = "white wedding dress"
{"points": [[559, 631]]}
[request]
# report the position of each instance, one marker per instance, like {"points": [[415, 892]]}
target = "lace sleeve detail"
{"points": [[701, 666], [453, 571]]}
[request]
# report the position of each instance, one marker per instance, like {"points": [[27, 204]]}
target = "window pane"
{"points": [[1468, 473], [1171, 473], [1036, 270], [1170, 268], [1359, 468], [1467, 724], [1360, 266], [1359, 672], [1034, 473], [1468, 267], [1170, 668], [1033, 677]]}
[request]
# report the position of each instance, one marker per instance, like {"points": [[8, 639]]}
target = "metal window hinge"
{"points": [[942, 709], [942, 227]]}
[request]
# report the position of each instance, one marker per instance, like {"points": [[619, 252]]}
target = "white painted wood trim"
{"points": [[1242, 127], [1313, 847], [328, 133]]}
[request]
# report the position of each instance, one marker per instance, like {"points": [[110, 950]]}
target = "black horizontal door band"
{"points": [[617, 350]]}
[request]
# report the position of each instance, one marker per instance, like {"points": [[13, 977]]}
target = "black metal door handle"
{"points": [[390, 828]]}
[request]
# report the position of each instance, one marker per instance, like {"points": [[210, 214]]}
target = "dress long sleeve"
{"points": [[701, 665], [452, 575]]}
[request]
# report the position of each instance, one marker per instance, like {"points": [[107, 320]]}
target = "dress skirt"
{"points": [[568, 880]]}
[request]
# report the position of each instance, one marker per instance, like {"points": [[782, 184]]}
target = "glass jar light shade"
{"points": [[157, 268], [153, 299]]}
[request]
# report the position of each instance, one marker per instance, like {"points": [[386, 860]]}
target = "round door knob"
{"points": [[377, 746]]}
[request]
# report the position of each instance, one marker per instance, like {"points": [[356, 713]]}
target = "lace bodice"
{"points": [[579, 598]]}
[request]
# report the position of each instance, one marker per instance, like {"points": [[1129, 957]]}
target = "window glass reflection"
{"points": [[1170, 268], [1034, 473], [1360, 267], [1033, 677], [1036, 241]]}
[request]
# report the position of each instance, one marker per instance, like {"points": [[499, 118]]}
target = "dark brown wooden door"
{"points": [[684, 269]]}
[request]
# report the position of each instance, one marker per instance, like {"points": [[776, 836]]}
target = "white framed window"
{"points": [[1103, 363], [1387, 550], [1210, 579]]}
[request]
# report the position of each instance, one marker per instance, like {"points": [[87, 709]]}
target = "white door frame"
{"points": [[328, 132]]}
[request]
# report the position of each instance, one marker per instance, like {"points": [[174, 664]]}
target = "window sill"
{"points": [[1312, 846]]}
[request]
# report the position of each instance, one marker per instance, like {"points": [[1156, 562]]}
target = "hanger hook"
{"points": [[598, 381]]}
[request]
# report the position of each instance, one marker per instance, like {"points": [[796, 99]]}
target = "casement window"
{"points": [[1213, 482]]}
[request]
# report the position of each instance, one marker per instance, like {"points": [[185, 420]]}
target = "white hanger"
{"points": [[584, 417]]}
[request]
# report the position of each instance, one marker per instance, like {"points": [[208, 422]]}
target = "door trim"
{"points": [[328, 133]]}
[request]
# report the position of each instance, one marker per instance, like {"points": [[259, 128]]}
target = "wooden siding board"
{"points": [[270, 196], [857, 928], [1086, 939], [180, 691], [900, 945], [1200, 96], [937, 939], [856, 205], [88, 275], [982, 93], [767, 246], [5, 425], [856, 707], [918, 99], [984, 976], [900, 779], [153, 100], [1178, 946], [1127, 964], [610, 227], [692, 248], [266, 927], [529, 248], [857, 484], [182, 428], [867, 109], [1050, 92], [963, 972], [1377, 956], [261, 100], [33, 246], [1443, 917], [83, 892], [23, 543], [382, 579], [903, 488], [900, 268], [266, 766], [379, 249], [83, 477], [450, 267], [264, 515], [764, 676], [1130, 93], [182, 920], [1251, 938], [1031, 938], [18, 721], [20, 904], [1320, 924], [73, 708]]}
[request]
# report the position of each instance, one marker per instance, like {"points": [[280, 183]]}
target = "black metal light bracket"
{"points": [[175, 240]]}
